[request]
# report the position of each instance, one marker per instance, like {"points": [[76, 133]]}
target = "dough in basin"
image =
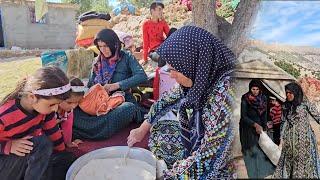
{"points": [[116, 169]]}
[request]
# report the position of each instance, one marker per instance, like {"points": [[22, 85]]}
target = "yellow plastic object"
{"points": [[94, 49], [86, 32], [89, 28]]}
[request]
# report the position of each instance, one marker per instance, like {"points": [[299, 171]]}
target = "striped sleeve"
{"points": [[5, 145], [2, 141], [51, 129]]}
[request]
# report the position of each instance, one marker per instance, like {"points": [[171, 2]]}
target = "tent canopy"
{"points": [[273, 78]]}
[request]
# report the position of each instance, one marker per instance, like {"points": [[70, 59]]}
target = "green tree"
{"points": [[91, 5], [101, 6], [225, 10], [289, 68], [141, 3]]}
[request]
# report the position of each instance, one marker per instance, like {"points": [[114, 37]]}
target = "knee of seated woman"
{"points": [[127, 105]]}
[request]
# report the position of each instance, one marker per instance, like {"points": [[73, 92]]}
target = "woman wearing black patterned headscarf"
{"points": [[299, 156], [198, 143], [253, 121]]}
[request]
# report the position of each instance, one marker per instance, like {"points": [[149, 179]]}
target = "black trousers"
{"points": [[40, 164], [58, 166], [276, 133], [30, 167]]}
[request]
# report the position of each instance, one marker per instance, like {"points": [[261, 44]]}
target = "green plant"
{"points": [[225, 10], [101, 6], [288, 68], [13, 71], [317, 75], [141, 3]]}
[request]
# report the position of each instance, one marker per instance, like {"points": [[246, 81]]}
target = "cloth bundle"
{"points": [[55, 58], [269, 148], [88, 29], [79, 62], [97, 101], [94, 15], [90, 23]]}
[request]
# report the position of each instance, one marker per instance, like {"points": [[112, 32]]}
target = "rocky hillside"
{"points": [[296, 60], [175, 14], [301, 62]]}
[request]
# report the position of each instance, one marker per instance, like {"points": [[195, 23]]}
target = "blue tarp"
{"points": [[55, 58]]}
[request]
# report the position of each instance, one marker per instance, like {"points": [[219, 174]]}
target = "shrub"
{"points": [[317, 75], [288, 68]]}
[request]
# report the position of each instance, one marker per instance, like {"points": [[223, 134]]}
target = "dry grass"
{"points": [[13, 71]]}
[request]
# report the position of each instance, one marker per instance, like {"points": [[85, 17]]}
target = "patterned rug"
{"points": [[118, 139]]}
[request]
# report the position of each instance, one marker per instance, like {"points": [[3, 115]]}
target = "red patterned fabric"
{"points": [[156, 83], [275, 114], [85, 42], [97, 101], [118, 139]]}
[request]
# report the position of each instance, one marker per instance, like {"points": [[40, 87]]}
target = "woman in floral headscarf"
{"points": [[198, 143], [253, 121], [299, 156]]}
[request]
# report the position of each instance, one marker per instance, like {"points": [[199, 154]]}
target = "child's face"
{"points": [[274, 102], [157, 12], [70, 103], [179, 77], [46, 106]]}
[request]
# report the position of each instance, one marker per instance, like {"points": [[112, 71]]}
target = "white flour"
{"points": [[115, 169]]}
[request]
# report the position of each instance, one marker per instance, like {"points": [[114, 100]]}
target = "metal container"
{"points": [[117, 152]]}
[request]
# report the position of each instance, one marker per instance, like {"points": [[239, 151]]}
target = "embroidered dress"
{"points": [[212, 159], [198, 143], [299, 157]]}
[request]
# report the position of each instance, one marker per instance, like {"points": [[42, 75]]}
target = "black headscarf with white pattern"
{"points": [[204, 59]]}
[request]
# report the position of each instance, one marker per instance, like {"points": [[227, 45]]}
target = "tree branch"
{"points": [[224, 28], [245, 15], [204, 15]]}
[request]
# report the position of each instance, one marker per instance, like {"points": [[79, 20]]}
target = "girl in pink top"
{"points": [[65, 112]]}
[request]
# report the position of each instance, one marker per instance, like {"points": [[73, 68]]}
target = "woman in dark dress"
{"points": [[253, 121]]}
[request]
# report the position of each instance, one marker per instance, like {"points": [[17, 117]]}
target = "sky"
{"points": [[288, 22]]}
